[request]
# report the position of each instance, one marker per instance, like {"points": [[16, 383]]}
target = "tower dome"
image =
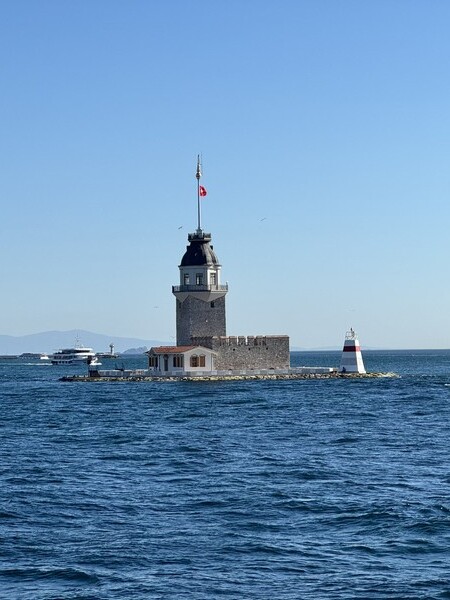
{"points": [[199, 252]]}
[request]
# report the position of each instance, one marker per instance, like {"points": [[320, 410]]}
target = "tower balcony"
{"points": [[199, 288], [207, 293], [199, 235]]}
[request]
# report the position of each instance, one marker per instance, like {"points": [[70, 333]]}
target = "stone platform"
{"points": [[229, 377]]}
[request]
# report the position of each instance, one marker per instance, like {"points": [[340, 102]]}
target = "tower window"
{"points": [[212, 279], [212, 304], [199, 279], [186, 279]]}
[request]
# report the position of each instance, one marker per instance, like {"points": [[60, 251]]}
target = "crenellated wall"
{"points": [[248, 352]]}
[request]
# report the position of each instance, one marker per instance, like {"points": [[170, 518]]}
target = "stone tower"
{"points": [[200, 297]]}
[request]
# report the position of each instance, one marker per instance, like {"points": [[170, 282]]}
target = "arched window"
{"points": [[194, 360]]}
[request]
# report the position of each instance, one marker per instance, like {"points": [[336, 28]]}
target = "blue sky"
{"points": [[325, 133]]}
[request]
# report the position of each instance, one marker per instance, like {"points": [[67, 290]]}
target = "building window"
{"points": [[186, 279], [199, 279], [212, 279], [178, 360], [212, 304], [153, 361], [198, 361]]}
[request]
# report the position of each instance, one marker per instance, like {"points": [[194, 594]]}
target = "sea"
{"points": [[277, 490]]}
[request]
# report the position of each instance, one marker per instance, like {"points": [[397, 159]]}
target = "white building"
{"points": [[177, 360]]}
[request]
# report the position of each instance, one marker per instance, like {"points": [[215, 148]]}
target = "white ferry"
{"points": [[71, 356]]}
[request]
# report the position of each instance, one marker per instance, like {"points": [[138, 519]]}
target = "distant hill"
{"points": [[139, 350], [48, 341]]}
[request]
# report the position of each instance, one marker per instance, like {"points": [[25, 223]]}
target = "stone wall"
{"points": [[197, 318], [248, 352]]}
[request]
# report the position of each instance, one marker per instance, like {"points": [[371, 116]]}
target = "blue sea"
{"points": [[306, 489]]}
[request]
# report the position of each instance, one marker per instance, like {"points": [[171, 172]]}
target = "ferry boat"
{"points": [[71, 356]]}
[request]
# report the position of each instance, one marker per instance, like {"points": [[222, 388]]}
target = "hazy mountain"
{"points": [[49, 341], [139, 350]]}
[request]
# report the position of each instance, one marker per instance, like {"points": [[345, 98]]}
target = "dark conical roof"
{"points": [[199, 252]]}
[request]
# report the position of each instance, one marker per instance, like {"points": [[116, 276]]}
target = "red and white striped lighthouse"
{"points": [[351, 361]]}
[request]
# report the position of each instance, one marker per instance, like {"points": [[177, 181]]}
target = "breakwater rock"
{"points": [[247, 377]]}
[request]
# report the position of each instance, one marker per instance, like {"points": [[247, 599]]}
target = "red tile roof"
{"points": [[171, 349]]}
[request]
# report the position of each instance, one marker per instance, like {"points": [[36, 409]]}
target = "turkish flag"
{"points": [[203, 191]]}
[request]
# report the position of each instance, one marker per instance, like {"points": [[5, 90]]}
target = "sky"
{"points": [[324, 129]]}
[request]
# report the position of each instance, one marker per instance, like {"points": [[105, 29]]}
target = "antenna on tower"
{"points": [[198, 175]]}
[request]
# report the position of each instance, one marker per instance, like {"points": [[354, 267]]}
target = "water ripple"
{"points": [[259, 490]]}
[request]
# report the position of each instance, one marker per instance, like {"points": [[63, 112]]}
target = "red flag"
{"points": [[203, 191]]}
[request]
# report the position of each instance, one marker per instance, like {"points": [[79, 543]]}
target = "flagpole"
{"points": [[198, 175]]}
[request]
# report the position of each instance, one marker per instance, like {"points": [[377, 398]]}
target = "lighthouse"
{"points": [[200, 296], [351, 361]]}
